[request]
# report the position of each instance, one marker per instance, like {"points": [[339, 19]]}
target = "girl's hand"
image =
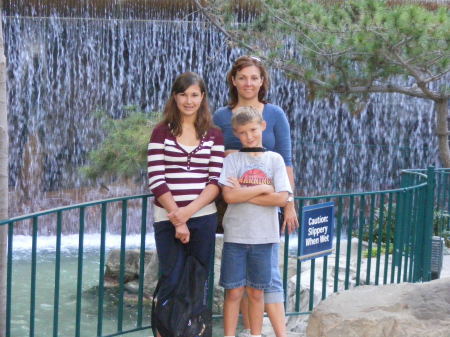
{"points": [[235, 182], [179, 216], [182, 233]]}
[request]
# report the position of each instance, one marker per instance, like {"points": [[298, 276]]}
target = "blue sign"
{"points": [[317, 230]]}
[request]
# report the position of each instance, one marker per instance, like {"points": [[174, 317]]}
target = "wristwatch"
{"points": [[290, 198]]}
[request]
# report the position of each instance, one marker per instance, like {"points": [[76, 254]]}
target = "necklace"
{"points": [[253, 149]]}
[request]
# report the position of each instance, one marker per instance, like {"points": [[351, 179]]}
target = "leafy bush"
{"points": [[374, 251], [384, 222], [441, 220], [441, 225], [123, 152], [446, 236]]}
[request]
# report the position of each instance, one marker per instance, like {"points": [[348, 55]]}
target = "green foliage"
{"points": [[387, 219], [345, 44], [374, 251], [384, 218], [123, 152], [446, 236], [441, 225]]}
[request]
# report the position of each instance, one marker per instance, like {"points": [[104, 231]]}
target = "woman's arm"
{"points": [[290, 214], [282, 132]]}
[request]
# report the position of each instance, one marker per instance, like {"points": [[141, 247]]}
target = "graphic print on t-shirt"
{"points": [[254, 177]]}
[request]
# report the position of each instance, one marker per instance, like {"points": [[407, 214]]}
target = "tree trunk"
{"points": [[3, 180], [442, 131]]}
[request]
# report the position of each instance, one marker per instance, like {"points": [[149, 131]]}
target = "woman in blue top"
{"points": [[248, 82]]}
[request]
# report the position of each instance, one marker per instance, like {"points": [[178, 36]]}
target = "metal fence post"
{"points": [[428, 224], [419, 230]]}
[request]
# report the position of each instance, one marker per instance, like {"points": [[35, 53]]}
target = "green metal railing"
{"points": [[441, 223], [58, 214], [380, 237]]}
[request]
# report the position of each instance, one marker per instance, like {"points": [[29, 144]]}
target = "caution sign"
{"points": [[317, 231]]}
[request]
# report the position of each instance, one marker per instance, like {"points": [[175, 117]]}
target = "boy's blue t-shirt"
{"points": [[276, 136], [246, 222]]}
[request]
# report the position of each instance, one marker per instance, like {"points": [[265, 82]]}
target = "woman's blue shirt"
{"points": [[276, 136]]}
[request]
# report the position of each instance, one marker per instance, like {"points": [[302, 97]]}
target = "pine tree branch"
{"points": [[385, 88], [318, 50], [297, 71], [436, 77], [435, 60], [419, 90], [216, 22], [417, 75]]}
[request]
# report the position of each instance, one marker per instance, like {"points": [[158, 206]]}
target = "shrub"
{"points": [[123, 152], [441, 220]]}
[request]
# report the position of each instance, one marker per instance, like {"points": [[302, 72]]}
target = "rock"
{"points": [[132, 270], [151, 272], [132, 287], [131, 264], [407, 310]]}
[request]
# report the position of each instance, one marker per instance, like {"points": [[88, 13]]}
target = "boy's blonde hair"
{"points": [[246, 114]]}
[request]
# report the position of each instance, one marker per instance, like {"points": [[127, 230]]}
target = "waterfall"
{"points": [[61, 70]]}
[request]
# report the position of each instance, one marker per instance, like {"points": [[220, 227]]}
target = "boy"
{"points": [[255, 184]]}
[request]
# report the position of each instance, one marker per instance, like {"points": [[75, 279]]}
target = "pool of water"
{"points": [[45, 287], [45, 280]]}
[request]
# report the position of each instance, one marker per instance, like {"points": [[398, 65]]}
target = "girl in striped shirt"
{"points": [[185, 156]]}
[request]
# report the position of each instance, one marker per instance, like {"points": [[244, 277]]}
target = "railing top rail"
{"points": [[438, 169], [70, 207], [401, 189], [139, 196], [416, 172]]}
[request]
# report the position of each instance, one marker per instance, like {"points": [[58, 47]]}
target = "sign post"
{"points": [[317, 231]]}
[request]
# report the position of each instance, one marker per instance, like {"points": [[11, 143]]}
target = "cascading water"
{"points": [[61, 70], [67, 60]]}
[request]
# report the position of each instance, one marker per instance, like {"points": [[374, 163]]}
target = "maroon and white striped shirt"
{"points": [[185, 175]]}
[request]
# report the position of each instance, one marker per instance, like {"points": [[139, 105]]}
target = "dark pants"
{"points": [[172, 253]]}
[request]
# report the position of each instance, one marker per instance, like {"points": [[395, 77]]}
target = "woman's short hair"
{"points": [[244, 115], [172, 116], [241, 63]]}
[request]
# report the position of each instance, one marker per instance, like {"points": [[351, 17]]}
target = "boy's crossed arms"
{"points": [[262, 195]]}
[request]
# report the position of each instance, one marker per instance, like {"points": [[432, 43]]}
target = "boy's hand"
{"points": [[235, 182], [182, 233]]}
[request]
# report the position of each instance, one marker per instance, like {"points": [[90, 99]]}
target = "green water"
{"points": [[44, 306], [44, 311]]}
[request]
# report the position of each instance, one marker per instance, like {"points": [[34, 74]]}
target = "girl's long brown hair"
{"points": [[172, 116], [241, 63]]}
